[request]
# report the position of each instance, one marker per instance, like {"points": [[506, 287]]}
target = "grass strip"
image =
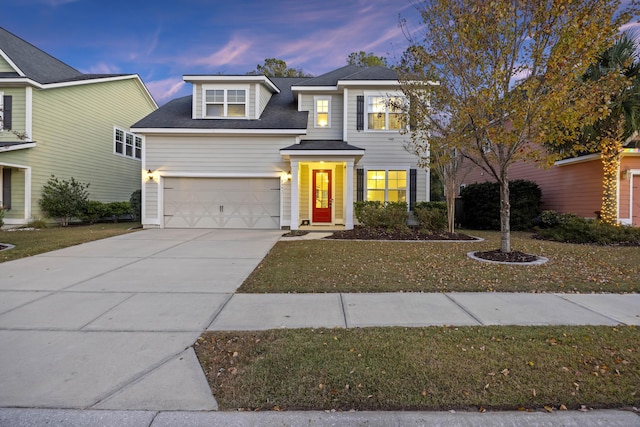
{"points": [[435, 368], [32, 242], [383, 266]]}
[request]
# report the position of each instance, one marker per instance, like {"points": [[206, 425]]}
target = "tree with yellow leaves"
{"points": [[509, 74]]}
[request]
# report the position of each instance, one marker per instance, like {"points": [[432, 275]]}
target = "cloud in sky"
{"points": [[102, 68], [164, 90]]}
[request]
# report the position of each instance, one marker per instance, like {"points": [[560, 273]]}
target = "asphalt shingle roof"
{"points": [[280, 113], [33, 62], [330, 144], [351, 72], [38, 65]]}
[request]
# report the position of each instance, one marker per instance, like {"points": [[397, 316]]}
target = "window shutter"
{"points": [[7, 101], [413, 183], [360, 112], [6, 188], [359, 185]]}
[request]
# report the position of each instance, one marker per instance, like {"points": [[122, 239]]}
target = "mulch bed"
{"points": [[3, 246], [362, 233], [513, 256]]}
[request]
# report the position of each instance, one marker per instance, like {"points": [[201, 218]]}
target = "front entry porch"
{"points": [[322, 184]]}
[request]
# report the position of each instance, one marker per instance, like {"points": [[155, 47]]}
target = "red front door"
{"points": [[322, 201]]}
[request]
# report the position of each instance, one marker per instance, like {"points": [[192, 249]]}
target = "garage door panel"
{"points": [[222, 203]]}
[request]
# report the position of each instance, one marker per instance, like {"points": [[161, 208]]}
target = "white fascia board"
{"points": [[580, 159], [368, 83], [18, 147], [220, 131], [231, 79], [322, 153], [10, 62], [20, 81], [314, 88]]}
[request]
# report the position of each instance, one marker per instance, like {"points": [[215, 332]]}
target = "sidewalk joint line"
{"points": [[344, 311], [463, 308], [216, 313], [590, 309]]}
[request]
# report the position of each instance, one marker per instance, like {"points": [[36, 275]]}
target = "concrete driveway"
{"points": [[109, 324]]}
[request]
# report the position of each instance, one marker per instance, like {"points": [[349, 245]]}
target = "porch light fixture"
{"points": [[149, 174], [626, 174], [289, 176]]}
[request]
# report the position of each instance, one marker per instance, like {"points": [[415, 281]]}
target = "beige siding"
{"points": [[197, 95], [73, 129], [305, 194], [18, 113], [210, 155], [264, 95], [5, 67], [332, 133], [338, 196]]}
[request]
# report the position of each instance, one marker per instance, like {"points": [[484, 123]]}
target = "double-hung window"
{"points": [[220, 103], [322, 111], [127, 144], [387, 185], [385, 112]]}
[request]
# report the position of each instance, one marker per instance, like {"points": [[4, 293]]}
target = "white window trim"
{"points": [[386, 182], [367, 95], [315, 111], [124, 144], [225, 88]]}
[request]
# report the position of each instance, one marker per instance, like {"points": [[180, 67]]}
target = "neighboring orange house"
{"points": [[575, 185]]}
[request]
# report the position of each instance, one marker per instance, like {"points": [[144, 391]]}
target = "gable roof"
{"points": [[351, 72], [280, 112], [32, 62]]}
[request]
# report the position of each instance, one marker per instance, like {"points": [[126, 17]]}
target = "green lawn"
{"points": [[33, 242], [365, 266], [435, 368]]}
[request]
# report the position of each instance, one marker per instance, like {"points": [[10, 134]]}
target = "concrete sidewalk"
{"points": [[105, 329]]}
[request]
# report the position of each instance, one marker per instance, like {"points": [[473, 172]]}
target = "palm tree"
{"points": [[608, 135]]}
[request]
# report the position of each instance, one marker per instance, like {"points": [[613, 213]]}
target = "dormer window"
{"points": [[220, 103]]}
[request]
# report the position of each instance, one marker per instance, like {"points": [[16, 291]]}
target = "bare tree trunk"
{"points": [[505, 217], [450, 194]]}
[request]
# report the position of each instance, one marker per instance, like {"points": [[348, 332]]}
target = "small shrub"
{"points": [[116, 210], [1, 216], [574, 229], [64, 199], [135, 201], [390, 215], [94, 211], [431, 216]]}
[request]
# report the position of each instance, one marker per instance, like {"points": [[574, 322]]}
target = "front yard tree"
{"points": [[64, 199], [509, 74]]}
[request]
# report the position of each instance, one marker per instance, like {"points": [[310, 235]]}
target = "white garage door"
{"points": [[222, 203]]}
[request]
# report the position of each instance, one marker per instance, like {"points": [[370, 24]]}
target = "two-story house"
{"points": [[55, 120], [257, 152]]}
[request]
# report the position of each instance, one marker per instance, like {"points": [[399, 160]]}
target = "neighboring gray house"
{"points": [[257, 152], [55, 120]]}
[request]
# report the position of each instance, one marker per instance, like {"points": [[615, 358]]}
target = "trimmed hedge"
{"points": [[390, 215], [96, 211], [481, 205], [570, 228], [431, 216]]}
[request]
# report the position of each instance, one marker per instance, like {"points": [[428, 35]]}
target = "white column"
{"points": [[348, 211], [295, 208], [27, 194]]}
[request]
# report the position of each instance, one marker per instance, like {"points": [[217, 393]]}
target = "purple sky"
{"points": [[161, 40]]}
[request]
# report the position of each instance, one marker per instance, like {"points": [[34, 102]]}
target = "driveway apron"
{"points": [[109, 324]]}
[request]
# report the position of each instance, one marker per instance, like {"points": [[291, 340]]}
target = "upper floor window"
{"points": [[225, 103], [127, 144], [387, 186], [322, 111], [385, 112]]}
